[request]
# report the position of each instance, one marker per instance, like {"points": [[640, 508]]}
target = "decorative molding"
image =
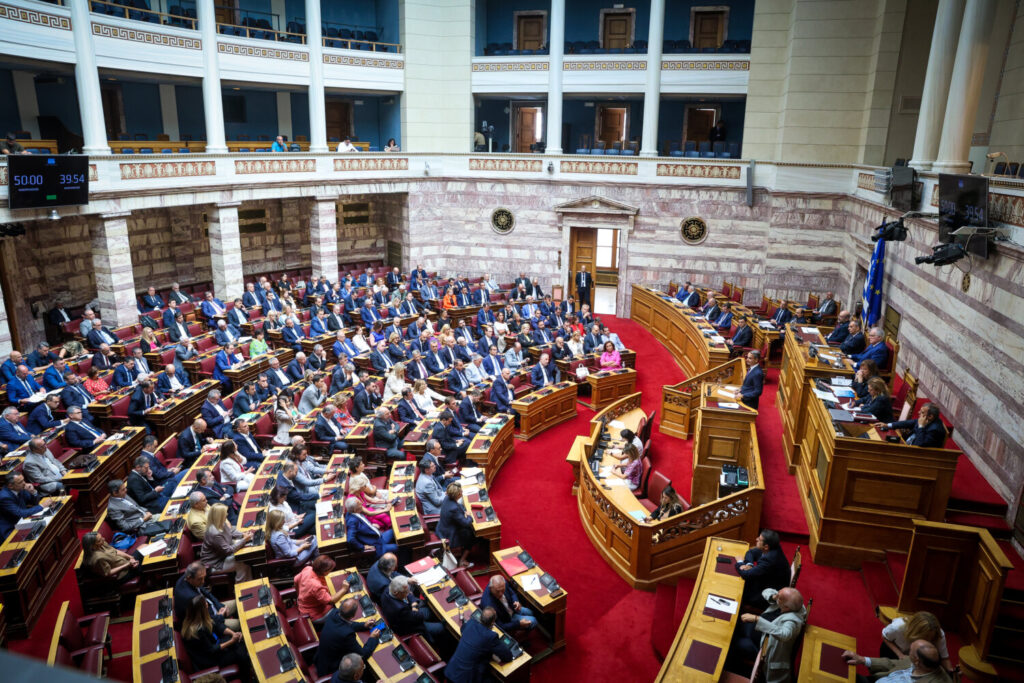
{"points": [[693, 230], [866, 181], [605, 167], [502, 221], [510, 165], [710, 65], [1006, 208], [700, 171], [35, 17], [267, 52], [147, 37], [374, 62], [372, 164], [479, 67], [167, 169], [980, 139], [250, 167], [606, 65], [597, 204]]}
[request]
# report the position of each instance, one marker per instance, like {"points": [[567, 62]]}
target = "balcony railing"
{"points": [[182, 17]]}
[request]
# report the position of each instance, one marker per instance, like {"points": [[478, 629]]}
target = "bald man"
{"points": [[777, 630], [923, 663]]}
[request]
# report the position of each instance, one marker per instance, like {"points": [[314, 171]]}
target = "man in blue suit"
{"points": [[361, 535], [876, 350], [300, 501], [416, 368], [12, 434], [433, 359], [227, 358], [9, 369], [143, 399], [215, 413], [237, 315], [151, 301], [326, 428], [345, 346], [18, 500], [247, 446], [170, 314], [724, 321], [366, 398], [842, 329], [753, 383], [169, 478], [298, 367], [468, 413], [277, 377], [22, 387], [690, 296], [74, 394], [171, 381], [410, 306], [100, 334], [225, 334], [380, 359], [291, 334], [782, 316], [125, 374], [477, 645], [80, 434], [245, 400], [544, 372], [41, 418], [41, 356], [929, 432], [191, 441], [854, 342], [368, 314], [502, 392], [408, 411], [744, 335], [457, 380], [493, 362], [251, 298], [512, 616], [53, 378], [212, 307]]}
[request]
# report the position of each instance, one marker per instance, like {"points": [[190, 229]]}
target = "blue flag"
{"points": [[873, 286]]}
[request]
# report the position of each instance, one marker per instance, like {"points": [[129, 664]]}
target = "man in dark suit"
{"points": [[454, 448], [404, 613], [178, 330], [338, 637], [216, 493], [592, 341], [408, 411], [477, 645], [689, 296], [584, 282], [457, 380], [385, 434], [753, 383], [291, 334], [502, 392], [251, 298], [237, 315], [744, 335], [544, 372], [416, 368], [143, 489], [151, 300], [763, 566], [929, 432], [41, 418], [298, 367], [876, 349], [168, 477], [245, 400], [724, 321], [854, 342], [40, 356], [17, 501], [79, 433], [841, 331], [74, 394], [189, 586], [300, 501], [826, 308], [12, 434], [177, 295], [500, 597], [170, 313], [58, 315], [215, 413], [326, 428], [191, 441], [144, 399], [246, 444], [380, 359], [434, 361], [782, 316], [468, 413], [362, 535], [367, 398], [276, 376], [100, 334]]}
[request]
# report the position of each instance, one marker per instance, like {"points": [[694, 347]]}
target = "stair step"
{"points": [[996, 526], [879, 583], [1008, 643], [971, 492], [1014, 589], [1011, 614]]}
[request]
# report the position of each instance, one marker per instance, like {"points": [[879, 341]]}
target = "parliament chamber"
{"points": [[512, 340]]}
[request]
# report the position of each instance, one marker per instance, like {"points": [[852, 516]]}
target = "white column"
{"points": [[6, 345], [225, 250], [112, 268], [556, 48], [317, 104], [652, 92], [28, 105], [965, 87], [284, 115], [213, 103], [87, 82], [936, 83], [323, 238], [169, 111]]}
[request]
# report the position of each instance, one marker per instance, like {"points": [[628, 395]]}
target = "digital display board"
{"points": [[42, 180]]}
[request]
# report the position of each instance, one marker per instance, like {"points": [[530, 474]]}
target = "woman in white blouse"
{"points": [[359, 339], [424, 396], [279, 502], [285, 415], [396, 381], [576, 345], [500, 330], [232, 467]]}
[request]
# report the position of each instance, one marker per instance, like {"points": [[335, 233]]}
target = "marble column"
{"points": [[225, 251], [317, 103], [936, 83], [112, 266], [87, 82], [556, 48], [323, 238], [965, 87], [213, 103], [652, 91]]}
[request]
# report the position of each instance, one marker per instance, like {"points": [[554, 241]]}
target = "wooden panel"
{"points": [[530, 32]]}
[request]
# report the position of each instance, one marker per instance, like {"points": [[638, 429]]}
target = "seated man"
{"points": [[923, 662], [929, 432], [215, 414], [189, 586], [405, 614], [428, 491], [775, 633], [468, 413], [124, 514], [171, 381], [544, 373], [42, 470], [338, 637], [478, 645], [143, 489], [247, 446], [744, 335], [454, 448], [79, 433], [842, 329], [385, 434], [362, 535], [18, 500], [854, 340], [326, 428], [876, 349], [12, 434], [41, 418], [379, 577], [763, 566], [502, 392], [191, 441], [511, 615]]}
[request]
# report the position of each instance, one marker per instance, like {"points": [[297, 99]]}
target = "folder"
{"points": [[512, 565]]}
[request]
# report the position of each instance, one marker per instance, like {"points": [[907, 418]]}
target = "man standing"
{"points": [[583, 284], [477, 645], [753, 383]]}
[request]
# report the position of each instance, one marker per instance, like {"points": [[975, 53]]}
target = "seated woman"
{"points": [[293, 523], [377, 333], [629, 436], [341, 414], [669, 505], [148, 343], [560, 351], [425, 397], [286, 416], [632, 469], [454, 525], [573, 321], [376, 507], [449, 299], [106, 561], [902, 631], [232, 467], [575, 344], [273, 321], [221, 542], [95, 385], [258, 345], [868, 369], [315, 598], [878, 402], [395, 349], [396, 381], [277, 536], [359, 340], [610, 358], [203, 647]]}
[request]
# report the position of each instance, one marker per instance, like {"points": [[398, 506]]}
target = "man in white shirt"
{"points": [[347, 146]]}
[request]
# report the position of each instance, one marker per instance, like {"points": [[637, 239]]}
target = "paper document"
{"points": [[825, 395], [470, 472], [731, 406], [638, 515], [809, 330], [721, 604], [182, 491], [718, 339], [841, 381], [433, 575], [469, 487], [531, 582], [615, 481], [151, 548], [764, 325], [324, 508], [617, 424], [605, 471]]}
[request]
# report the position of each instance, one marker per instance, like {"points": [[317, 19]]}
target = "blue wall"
{"points": [[375, 120], [670, 119], [300, 114], [677, 19], [191, 121], [142, 109], [583, 18], [581, 119], [10, 121], [260, 114], [59, 98], [378, 15], [496, 19], [493, 112]]}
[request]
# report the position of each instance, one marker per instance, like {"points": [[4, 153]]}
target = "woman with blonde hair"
{"points": [[902, 631], [424, 396], [575, 344], [396, 381], [376, 507], [877, 402], [221, 542], [148, 343], [283, 545]]}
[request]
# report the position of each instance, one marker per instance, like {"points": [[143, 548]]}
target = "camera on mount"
{"points": [[943, 254]]}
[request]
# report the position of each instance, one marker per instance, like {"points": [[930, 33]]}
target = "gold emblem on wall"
{"points": [[502, 221], [965, 282], [693, 230]]}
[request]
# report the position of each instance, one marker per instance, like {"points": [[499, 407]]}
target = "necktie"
{"points": [[91, 430], [423, 370], [149, 400], [415, 410], [545, 373], [24, 383], [108, 337], [17, 428]]}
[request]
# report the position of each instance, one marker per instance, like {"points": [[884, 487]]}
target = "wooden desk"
{"points": [[493, 445], [330, 526], [544, 408], [702, 642], [453, 616], [25, 589], [174, 413], [860, 493], [382, 661], [646, 553], [550, 611], [252, 367], [680, 402], [793, 395], [821, 656], [591, 360], [116, 458], [146, 625], [262, 648], [608, 386], [678, 330], [725, 436], [402, 476]]}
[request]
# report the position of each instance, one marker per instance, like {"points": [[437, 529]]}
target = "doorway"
{"points": [[612, 124], [606, 273], [527, 127], [226, 12], [113, 109], [698, 120], [617, 26], [339, 119], [582, 252], [530, 30], [708, 26]]}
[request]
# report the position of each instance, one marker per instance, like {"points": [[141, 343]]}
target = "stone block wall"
{"points": [[366, 241]]}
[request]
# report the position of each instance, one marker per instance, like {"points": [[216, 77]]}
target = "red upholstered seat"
{"points": [[465, 581], [423, 654]]}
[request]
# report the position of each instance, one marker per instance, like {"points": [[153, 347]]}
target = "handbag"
{"points": [[448, 561], [122, 541]]}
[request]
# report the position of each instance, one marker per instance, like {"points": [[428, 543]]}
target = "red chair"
{"points": [[264, 431], [88, 660], [423, 654], [187, 555], [167, 452], [206, 367], [465, 581], [645, 476], [656, 485], [118, 414], [79, 633], [302, 636]]}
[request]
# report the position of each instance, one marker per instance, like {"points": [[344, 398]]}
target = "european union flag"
{"points": [[873, 286]]}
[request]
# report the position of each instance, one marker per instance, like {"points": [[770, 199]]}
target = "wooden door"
{"points": [[611, 124], [699, 123], [708, 29], [113, 109], [226, 12], [582, 251], [339, 119], [618, 27], [525, 128], [530, 32]]}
